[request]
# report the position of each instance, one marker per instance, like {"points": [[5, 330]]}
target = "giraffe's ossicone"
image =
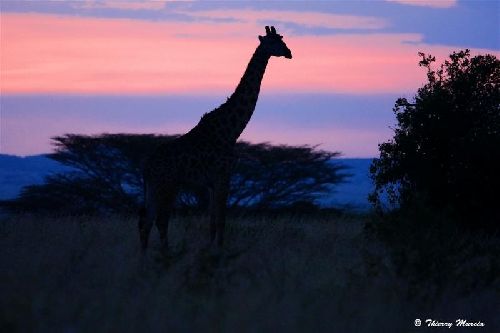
{"points": [[205, 155]]}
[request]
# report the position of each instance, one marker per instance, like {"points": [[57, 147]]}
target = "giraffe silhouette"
{"points": [[205, 155]]}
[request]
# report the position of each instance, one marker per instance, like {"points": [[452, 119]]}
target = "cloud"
{"points": [[304, 18], [122, 5], [427, 3]]}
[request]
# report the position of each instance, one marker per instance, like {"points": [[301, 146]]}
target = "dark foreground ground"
{"points": [[286, 274]]}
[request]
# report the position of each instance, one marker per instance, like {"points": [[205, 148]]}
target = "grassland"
{"points": [[280, 274]]}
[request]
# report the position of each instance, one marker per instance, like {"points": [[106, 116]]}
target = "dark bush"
{"points": [[445, 150]]}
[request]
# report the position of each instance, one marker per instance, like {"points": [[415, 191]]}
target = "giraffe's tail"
{"points": [[143, 227], [142, 206], [145, 219]]}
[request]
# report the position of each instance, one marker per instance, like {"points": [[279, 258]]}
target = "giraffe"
{"points": [[205, 155]]}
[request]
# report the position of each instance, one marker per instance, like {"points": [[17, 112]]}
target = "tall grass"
{"points": [[280, 274]]}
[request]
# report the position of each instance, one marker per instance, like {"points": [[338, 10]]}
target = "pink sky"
{"points": [[56, 54]]}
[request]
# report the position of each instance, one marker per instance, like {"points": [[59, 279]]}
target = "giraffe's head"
{"points": [[274, 44]]}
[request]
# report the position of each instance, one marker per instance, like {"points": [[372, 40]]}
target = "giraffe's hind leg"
{"points": [[165, 208], [221, 192]]}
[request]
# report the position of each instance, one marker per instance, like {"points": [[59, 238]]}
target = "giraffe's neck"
{"points": [[226, 123], [245, 96], [242, 102]]}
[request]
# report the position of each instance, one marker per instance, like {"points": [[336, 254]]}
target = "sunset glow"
{"points": [[158, 48], [54, 54]]}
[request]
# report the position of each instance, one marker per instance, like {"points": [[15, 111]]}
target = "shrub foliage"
{"points": [[445, 150]]}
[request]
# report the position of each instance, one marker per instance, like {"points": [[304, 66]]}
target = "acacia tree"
{"points": [[445, 150], [105, 176], [269, 176]]}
